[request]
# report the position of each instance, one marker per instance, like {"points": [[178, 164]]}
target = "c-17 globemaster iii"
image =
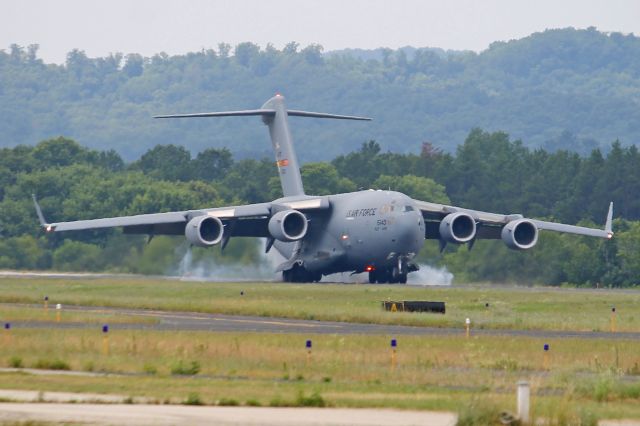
{"points": [[374, 231]]}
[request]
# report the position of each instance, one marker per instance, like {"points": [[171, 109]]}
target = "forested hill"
{"points": [[570, 89]]}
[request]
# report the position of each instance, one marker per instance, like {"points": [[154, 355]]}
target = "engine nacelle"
{"points": [[204, 231], [521, 234], [458, 228], [288, 225]]}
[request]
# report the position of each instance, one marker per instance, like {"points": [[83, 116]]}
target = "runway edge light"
{"points": [[394, 345], [105, 339], [613, 319], [545, 360]]}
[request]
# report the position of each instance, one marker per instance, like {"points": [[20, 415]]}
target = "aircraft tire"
{"points": [[403, 279], [373, 277], [395, 275]]}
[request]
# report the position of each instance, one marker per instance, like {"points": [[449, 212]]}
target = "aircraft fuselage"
{"points": [[365, 230]]}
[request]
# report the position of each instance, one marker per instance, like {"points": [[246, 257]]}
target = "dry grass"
{"points": [[433, 372]]}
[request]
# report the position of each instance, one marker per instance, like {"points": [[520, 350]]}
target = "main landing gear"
{"points": [[298, 274], [391, 276], [396, 274]]}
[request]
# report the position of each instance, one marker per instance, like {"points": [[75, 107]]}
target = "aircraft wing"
{"points": [[248, 220], [490, 225]]}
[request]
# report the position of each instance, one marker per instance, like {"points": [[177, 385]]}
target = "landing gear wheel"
{"points": [[299, 274], [395, 275], [372, 277]]}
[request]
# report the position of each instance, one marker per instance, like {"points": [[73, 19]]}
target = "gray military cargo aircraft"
{"points": [[374, 231]]}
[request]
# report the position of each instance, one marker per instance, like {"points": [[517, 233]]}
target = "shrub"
{"points": [[150, 369], [314, 400], [56, 364], [193, 399], [184, 369], [228, 402], [253, 403], [15, 362]]}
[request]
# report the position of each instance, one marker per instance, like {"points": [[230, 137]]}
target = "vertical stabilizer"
{"points": [[282, 143], [275, 115]]}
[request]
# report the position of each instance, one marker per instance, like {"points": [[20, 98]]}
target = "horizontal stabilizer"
{"points": [[264, 112], [294, 113], [221, 114]]}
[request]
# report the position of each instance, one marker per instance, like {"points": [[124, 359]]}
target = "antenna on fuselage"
{"points": [[275, 115]]}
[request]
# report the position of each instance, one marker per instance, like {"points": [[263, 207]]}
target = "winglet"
{"points": [[607, 224], [41, 218]]}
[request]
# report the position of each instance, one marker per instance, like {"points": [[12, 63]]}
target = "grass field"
{"points": [[581, 380], [441, 373], [537, 308], [10, 313]]}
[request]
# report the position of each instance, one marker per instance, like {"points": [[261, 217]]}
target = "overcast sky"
{"points": [[152, 26]]}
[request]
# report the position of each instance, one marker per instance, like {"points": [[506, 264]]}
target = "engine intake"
{"points": [[204, 231], [288, 225], [521, 234], [458, 228]]}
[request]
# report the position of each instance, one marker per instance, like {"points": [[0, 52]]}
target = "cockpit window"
{"points": [[407, 209]]}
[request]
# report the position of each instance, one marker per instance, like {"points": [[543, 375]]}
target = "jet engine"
{"points": [[288, 225], [204, 231], [458, 228], [521, 234]]}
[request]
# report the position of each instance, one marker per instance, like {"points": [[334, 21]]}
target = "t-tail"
{"points": [[275, 115]]}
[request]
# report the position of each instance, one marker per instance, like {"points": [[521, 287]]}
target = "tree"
{"points": [[134, 65], [323, 179], [58, 152], [246, 53], [416, 187], [361, 167], [211, 164], [168, 162]]}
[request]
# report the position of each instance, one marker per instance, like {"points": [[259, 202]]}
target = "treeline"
{"points": [[559, 89], [488, 171]]}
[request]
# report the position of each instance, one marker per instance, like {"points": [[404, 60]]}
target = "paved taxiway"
{"points": [[160, 415], [191, 321]]}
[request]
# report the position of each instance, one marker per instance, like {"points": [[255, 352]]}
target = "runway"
{"points": [[193, 321]]}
